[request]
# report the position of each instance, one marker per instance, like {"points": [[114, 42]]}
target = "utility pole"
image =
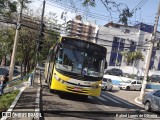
{"points": [[18, 26], [38, 41], [153, 38], [117, 52]]}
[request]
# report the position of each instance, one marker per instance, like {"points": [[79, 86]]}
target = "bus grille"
{"points": [[78, 85], [72, 90]]}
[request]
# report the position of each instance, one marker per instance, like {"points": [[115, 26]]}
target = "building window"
{"points": [[122, 40], [127, 31], [132, 43], [113, 60], [114, 49], [116, 39], [118, 62]]}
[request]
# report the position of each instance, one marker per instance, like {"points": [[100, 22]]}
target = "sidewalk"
{"points": [[137, 100], [26, 103]]}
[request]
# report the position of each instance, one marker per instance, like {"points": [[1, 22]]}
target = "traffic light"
{"points": [[41, 37], [42, 30], [40, 45]]}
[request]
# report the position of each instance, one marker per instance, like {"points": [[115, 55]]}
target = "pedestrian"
{"points": [[3, 83]]}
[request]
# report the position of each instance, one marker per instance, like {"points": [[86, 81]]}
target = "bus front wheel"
{"points": [[84, 97]]}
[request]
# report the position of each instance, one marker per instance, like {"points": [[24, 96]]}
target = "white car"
{"points": [[131, 85], [107, 84]]}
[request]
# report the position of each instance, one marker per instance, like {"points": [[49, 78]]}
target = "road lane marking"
{"points": [[102, 99], [110, 99], [99, 102], [103, 104], [123, 101]]}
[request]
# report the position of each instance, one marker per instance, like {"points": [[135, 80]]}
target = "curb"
{"points": [[137, 101], [37, 101], [16, 87], [14, 103], [22, 87]]}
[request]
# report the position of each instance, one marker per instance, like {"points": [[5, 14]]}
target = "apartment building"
{"points": [[117, 37], [82, 29]]}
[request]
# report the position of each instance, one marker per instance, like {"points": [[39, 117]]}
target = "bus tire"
{"points": [[105, 88], [84, 97], [50, 90]]}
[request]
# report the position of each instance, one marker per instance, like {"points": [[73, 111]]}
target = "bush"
{"points": [[7, 99]]}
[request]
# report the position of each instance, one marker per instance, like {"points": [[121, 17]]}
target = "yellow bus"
{"points": [[75, 66]]}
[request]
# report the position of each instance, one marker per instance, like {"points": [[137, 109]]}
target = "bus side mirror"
{"points": [[57, 48], [106, 65]]}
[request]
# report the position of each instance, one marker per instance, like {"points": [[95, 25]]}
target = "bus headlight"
{"points": [[56, 77], [96, 86]]}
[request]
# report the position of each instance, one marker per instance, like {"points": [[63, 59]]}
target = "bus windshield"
{"points": [[80, 62]]}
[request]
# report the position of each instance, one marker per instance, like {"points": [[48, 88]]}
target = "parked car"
{"points": [[126, 75], [114, 71], [155, 78], [131, 85], [151, 101], [107, 84]]}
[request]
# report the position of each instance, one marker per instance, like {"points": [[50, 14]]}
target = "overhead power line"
{"points": [[140, 4], [89, 14]]}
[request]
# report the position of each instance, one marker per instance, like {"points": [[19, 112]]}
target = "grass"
{"points": [[17, 82], [7, 99]]}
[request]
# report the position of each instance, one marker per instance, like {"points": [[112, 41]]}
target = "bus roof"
{"points": [[83, 40]]}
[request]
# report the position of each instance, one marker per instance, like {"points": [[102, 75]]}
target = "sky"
{"points": [[145, 12]]}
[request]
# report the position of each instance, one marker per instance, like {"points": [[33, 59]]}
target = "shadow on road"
{"points": [[111, 100]]}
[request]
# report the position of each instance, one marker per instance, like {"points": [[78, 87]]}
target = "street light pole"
{"points": [[15, 42], [150, 55]]}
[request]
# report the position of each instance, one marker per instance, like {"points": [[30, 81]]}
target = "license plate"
{"points": [[77, 89]]}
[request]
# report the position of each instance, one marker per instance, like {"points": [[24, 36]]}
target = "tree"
{"points": [[7, 7], [111, 7], [50, 38], [6, 42], [27, 46], [132, 57]]}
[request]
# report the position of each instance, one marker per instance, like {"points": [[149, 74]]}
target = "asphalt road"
{"points": [[115, 105]]}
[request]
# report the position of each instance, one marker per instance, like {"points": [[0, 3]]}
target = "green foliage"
{"points": [[7, 99], [130, 57], [89, 3], [7, 7], [123, 17], [26, 49], [124, 13], [50, 40], [6, 40]]}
